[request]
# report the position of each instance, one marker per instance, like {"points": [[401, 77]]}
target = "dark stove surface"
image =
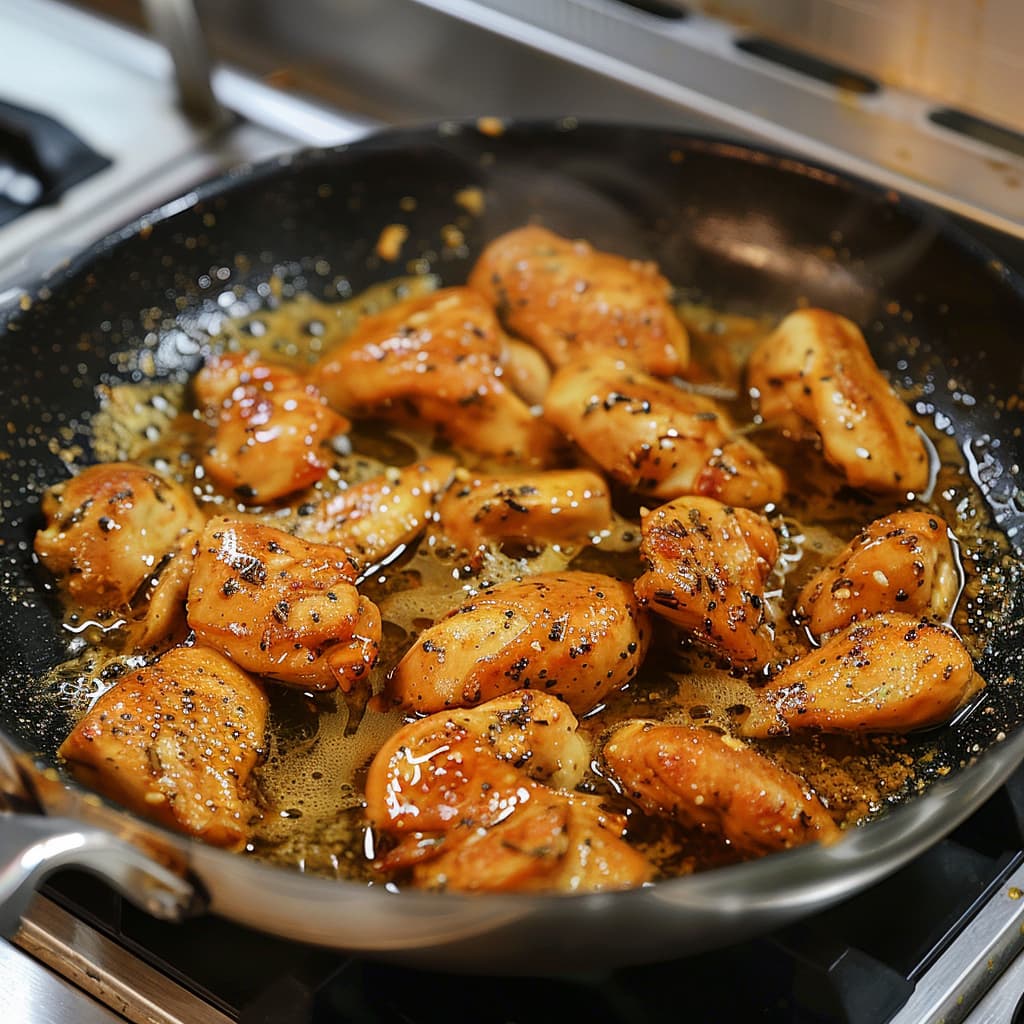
{"points": [[856, 963], [40, 159]]}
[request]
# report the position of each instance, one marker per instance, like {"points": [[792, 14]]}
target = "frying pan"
{"points": [[748, 230]]}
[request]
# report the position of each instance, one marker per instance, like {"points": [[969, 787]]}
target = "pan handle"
{"points": [[31, 846]]}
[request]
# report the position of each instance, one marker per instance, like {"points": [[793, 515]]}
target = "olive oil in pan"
{"points": [[310, 783]]}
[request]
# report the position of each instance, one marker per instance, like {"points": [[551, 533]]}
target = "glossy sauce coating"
{"points": [[572, 300], [178, 741], [575, 635], [281, 606], [462, 793], [714, 782], [708, 565], [815, 370], [904, 561], [657, 438], [889, 673], [438, 360]]}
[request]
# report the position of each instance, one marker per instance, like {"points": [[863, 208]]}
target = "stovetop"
{"points": [[894, 953]]}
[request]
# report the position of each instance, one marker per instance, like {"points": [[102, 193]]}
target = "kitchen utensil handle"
{"points": [[31, 846], [175, 23]]}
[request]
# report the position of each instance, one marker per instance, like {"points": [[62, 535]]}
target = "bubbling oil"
{"points": [[320, 746]]}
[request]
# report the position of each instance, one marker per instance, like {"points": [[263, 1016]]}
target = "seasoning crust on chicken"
{"points": [[708, 567], [890, 673], [463, 793], [572, 300], [657, 438], [565, 506], [816, 370], [177, 742], [282, 607], [577, 635], [904, 562], [437, 360], [373, 519], [112, 529], [712, 782], [271, 427]]}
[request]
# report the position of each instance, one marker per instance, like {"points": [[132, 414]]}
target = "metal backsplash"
{"points": [[964, 53]]}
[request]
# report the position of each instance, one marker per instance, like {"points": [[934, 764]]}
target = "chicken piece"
{"points": [[890, 673], [163, 601], [282, 607], [177, 742], [903, 562], [577, 635], [377, 517], [706, 780], [657, 438], [708, 567], [271, 428], [463, 792], [557, 506], [526, 371], [110, 529], [572, 300], [437, 360], [816, 369]]}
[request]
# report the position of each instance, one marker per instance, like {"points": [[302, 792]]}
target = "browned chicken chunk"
{"points": [[571, 299], [177, 742], [463, 793], [708, 567], [816, 370], [565, 506], [708, 781], [438, 361], [657, 438], [373, 519], [526, 371], [577, 635], [282, 607], [889, 673], [903, 562], [113, 531], [271, 428]]}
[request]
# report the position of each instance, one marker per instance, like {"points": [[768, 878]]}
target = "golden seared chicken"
{"points": [[889, 673], [903, 562], [815, 370], [564, 506], [706, 780], [177, 742], [657, 438], [708, 567], [526, 371], [372, 519], [281, 606], [119, 537], [577, 635], [572, 300], [437, 360], [271, 428], [463, 795]]}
